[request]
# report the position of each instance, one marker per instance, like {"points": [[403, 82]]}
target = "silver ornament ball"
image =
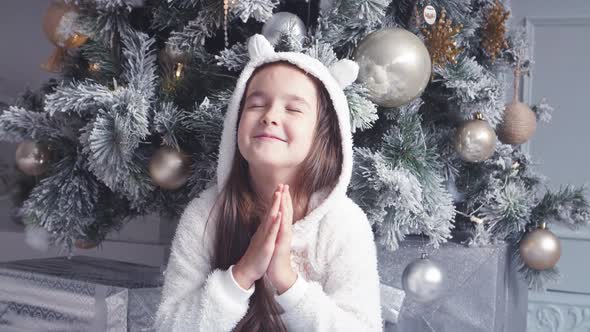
{"points": [[540, 249], [284, 23], [32, 158], [394, 65], [475, 140], [169, 168], [423, 280]]}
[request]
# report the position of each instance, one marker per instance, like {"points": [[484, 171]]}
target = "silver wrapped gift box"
{"points": [[482, 290], [78, 294]]}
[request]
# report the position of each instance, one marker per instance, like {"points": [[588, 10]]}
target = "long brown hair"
{"points": [[240, 208]]}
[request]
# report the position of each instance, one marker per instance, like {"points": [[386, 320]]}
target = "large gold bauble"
{"points": [[540, 249], [475, 140]]}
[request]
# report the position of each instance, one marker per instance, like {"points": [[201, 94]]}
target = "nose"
{"points": [[271, 116]]}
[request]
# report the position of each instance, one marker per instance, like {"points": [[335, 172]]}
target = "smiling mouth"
{"points": [[269, 138]]}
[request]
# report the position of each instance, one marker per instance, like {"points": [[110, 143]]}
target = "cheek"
{"points": [[303, 135], [243, 130]]}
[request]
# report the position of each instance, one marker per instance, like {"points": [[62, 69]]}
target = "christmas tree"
{"points": [[133, 123]]}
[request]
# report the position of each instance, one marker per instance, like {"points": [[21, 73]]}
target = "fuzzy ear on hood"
{"points": [[345, 72], [259, 47], [338, 76]]}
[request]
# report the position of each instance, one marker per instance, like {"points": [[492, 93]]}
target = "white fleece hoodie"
{"points": [[333, 249]]}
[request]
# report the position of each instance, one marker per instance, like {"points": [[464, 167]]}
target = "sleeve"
{"points": [[350, 297], [194, 297]]}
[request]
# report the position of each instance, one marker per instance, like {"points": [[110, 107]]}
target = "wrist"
{"points": [[285, 283], [241, 277]]}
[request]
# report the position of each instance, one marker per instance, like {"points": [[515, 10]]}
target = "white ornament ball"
{"points": [[394, 64]]}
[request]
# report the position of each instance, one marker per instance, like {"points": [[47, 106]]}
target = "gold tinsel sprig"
{"points": [[493, 33], [440, 40]]}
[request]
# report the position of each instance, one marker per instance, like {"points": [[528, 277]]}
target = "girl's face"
{"points": [[278, 118]]}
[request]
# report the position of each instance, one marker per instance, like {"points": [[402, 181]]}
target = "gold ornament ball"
{"points": [[540, 249], [475, 140], [519, 124], [59, 25], [169, 168], [85, 244], [32, 158]]}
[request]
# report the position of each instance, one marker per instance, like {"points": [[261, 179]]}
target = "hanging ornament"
{"points": [[540, 249], [429, 14], [394, 65], [59, 24], [440, 41], [493, 40], [518, 125], [475, 140], [32, 158], [284, 23], [169, 168], [519, 122], [423, 280], [226, 5], [225, 10]]}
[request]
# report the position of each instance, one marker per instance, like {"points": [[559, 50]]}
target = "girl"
{"points": [[277, 245]]}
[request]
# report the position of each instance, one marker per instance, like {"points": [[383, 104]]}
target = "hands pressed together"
{"points": [[269, 251]]}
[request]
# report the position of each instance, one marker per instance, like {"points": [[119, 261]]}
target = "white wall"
{"points": [[560, 46]]}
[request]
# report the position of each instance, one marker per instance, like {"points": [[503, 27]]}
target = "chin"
{"points": [[265, 162], [269, 162]]}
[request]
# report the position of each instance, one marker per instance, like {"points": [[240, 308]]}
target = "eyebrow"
{"points": [[289, 97]]}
